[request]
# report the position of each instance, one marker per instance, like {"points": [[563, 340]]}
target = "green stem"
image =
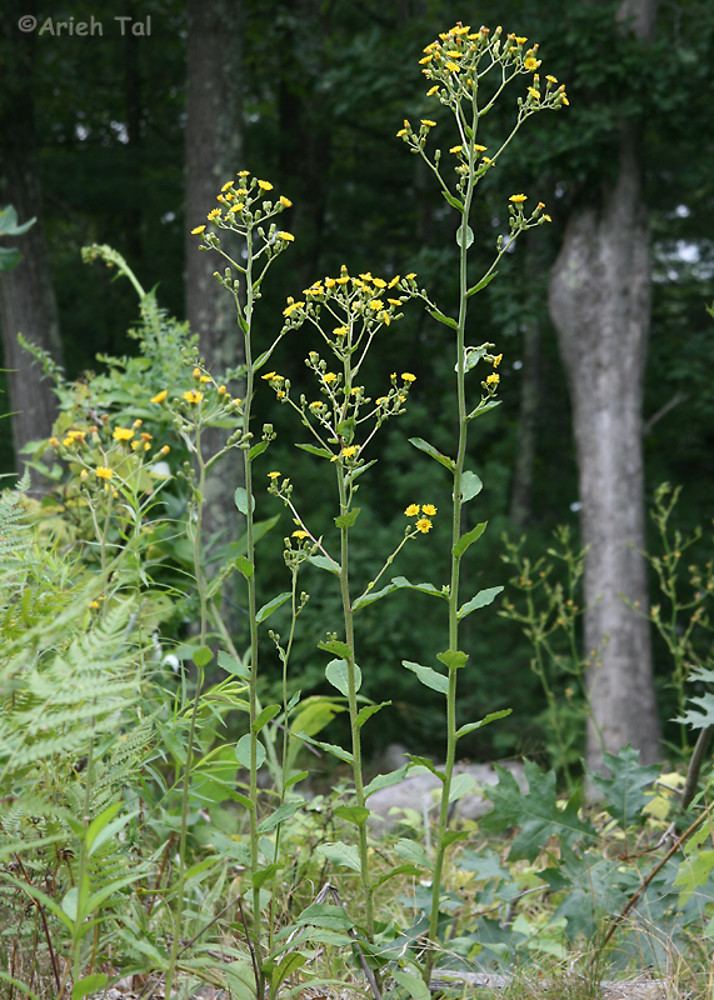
{"points": [[455, 572]]}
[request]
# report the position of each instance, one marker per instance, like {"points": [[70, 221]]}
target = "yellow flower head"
{"points": [[456, 149], [413, 510], [518, 199], [350, 451], [286, 237], [497, 360], [340, 331], [429, 509], [408, 377], [103, 472], [275, 474], [285, 202], [160, 397], [197, 230], [300, 534], [493, 379], [214, 214], [424, 525], [531, 64], [329, 377], [123, 433], [193, 396], [265, 185]]}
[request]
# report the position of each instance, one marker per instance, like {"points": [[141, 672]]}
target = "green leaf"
{"points": [[330, 748], [242, 752], [692, 874], [480, 600], [624, 789], [202, 656], [99, 822], [340, 854], [262, 359], [453, 659], [312, 449], [346, 429], [483, 408], [288, 964], [263, 875], [471, 727], [467, 540], [106, 833], [257, 450], [423, 588], [460, 235], [264, 717], [419, 761], [452, 200], [336, 646], [348, 519], [49, 904], [4, 976], [233, 666], [697, 719], [421, 445], [441, 317], [283, 812], [471, 486], [428, 677], [386, 780], [414, 870], [461, 784], [336, 673], [241, 500], [480, 285], [368, 711], [353, 814], [90, 984], [535, 814], [398, 583], [267, 610], [323, 562], [416, 988], [326, 915], [245, 566]]}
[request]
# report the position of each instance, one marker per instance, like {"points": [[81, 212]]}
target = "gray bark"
{"points": [[600, 305], [212, 156], [27, 300]]}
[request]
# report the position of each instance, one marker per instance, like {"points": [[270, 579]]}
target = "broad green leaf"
{"points": [[262, 359], [423, 588], [296, 778], [263, 875], [241, 500], [467, 539], [624, 789], [419, 761], [353, 814], [267, 610], [288, 964], [412, 982], [452, 200], [460, 235], [340, 854], [462, 784], [283, 812], [453, 836], [242, 752], [480, 600], [692, 874], [535, 814], [480, 285], [90, 984], [233, 666], [313, 449], [9, 225], [421, 445], [348, 519], [336, 646], [471, 486], [412, 852], [471, 727], [441, 317], [428, 677], [453, 659], [386, 780], [323, 562], [245, 566], [202, 656], [264, 717], [337, 674]]}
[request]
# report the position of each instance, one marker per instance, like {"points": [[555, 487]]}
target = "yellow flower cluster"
{"points": [[240, 203], [363, 301], [423, 514]]}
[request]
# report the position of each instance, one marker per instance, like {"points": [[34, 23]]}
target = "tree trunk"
{"points": [[212, 152], [600, 305], [27, 300]]}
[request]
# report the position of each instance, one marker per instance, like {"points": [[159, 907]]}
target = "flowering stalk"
{"points": [[461, 65], [246, 209]]}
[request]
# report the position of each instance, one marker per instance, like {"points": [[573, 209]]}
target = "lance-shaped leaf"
{"points": [[313, 449], [480, 285], [480, 600], [421, 445], [428, 677], [467, 539], [330, 748], [397, 583], [453, 200], [267, 610], [324, 562], [441, 317], [471, 727]]}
